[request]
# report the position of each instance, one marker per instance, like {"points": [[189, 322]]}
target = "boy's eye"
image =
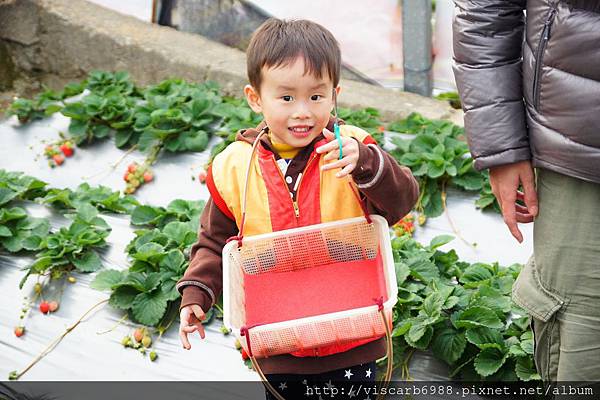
{"points": [[316, 97], [287, 98]]}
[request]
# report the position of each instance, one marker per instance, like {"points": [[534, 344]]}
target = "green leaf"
{"points": [[196, 142], [173, 260], [422, 268], [525, 369], [449, 345], [5, 232], [123, 297], [144, 215], [89, 262], [474, 317], [150, 252], [440, 240], [432, 305], [425, 333], [105, 280], [32, 243], [402, 272], [7, 195], [87, 212], [148, 308], [476, 273], [484, 335], [489, 360]]}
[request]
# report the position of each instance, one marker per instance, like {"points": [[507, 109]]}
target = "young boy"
{"points": [[294, 71]]}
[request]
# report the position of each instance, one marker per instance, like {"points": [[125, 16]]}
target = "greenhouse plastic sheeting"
{"points": [[92, 351]]}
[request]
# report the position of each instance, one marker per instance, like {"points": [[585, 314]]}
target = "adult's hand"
{"points": [[505, 180]]}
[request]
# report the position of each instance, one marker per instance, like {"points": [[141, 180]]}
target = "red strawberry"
{"points": [[58, 159], [202, 176], [127, 176], [19, 331], [244, 355], [66, 149], [148, 176], [44, 307], [53, 305], [132, 167]]}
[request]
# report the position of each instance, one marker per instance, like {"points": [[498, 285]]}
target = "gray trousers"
{"points": [[560, 285]]}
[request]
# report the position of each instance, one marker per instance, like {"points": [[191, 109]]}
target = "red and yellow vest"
{"points": [[320, 197]]}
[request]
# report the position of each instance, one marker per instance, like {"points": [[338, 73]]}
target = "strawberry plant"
{"points": [[462, 312], [101, 197], [16, 185], [73, 247], [147, 289], [43, 105], [438, 156], [18, 231]]}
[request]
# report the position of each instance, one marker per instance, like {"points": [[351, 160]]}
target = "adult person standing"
{"points": [[530, 87]]}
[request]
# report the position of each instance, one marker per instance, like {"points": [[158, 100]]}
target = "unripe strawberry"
{"points": [[71, 279], [126, 341], [126, 176], [238, 345], [146, 341], [44, 307], [153, 356], [19, 331], [58, 159], [53, 305], [37, 288], [138, 334], [202, 176]]}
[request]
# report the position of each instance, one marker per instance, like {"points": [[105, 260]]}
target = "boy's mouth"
{"points": [[300, 131]]}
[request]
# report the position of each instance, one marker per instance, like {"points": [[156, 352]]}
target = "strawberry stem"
{"points": [[56, 341]]}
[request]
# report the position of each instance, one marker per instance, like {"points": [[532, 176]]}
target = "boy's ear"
{"points": [[336, 94], [337, 90], [253, 98]]}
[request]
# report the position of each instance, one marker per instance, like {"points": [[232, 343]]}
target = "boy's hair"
{"points": [[279, 42]]}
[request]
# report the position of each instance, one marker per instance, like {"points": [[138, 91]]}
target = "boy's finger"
{"points": [[346, 170], [336, 164], [184, 339], [198, 312], [328, 134]]}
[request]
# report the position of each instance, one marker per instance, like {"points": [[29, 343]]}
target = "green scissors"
{"points": [[336, 126]]}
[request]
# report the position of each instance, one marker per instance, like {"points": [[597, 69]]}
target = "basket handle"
{"points": [[240, 235], [389, 353]]}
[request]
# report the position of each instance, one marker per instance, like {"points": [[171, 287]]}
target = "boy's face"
{"points": [[295, 106]]}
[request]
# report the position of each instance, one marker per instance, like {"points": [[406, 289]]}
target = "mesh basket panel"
{"points": [[299, 250]]}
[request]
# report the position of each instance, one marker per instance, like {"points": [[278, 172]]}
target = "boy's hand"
{"points": [[349, 151], [190, 317]]}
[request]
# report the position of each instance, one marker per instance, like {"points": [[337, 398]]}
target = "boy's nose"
{"points": [[301, 112]]}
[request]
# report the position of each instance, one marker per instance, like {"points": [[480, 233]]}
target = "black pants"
{"points": [[344, 383]]}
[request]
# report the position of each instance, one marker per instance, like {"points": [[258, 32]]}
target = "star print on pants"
{"points": [[368, 373], [348, 374], [283, 385]]}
